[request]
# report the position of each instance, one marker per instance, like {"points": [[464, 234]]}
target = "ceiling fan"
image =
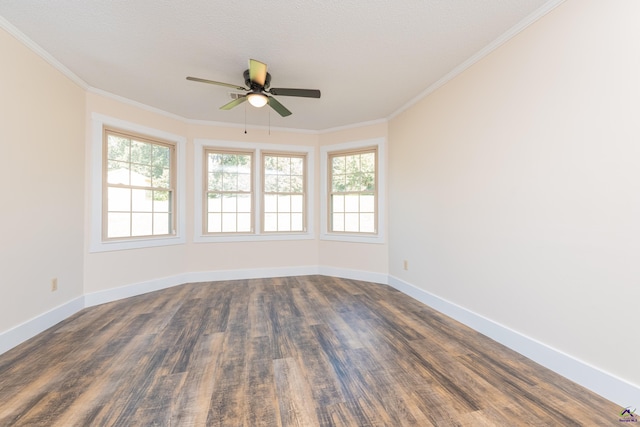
{"points": [[258, 81]]}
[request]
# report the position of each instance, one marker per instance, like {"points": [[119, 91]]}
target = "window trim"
{"points": [[200, 144], [97, 242], [354, 146], [109, 130]]}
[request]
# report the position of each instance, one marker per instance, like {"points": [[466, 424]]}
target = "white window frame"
{"points": [[258, 148], [97, 242], [325, 151]]}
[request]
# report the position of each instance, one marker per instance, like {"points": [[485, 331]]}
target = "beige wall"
{"points": [[370, 257], [515, 188], [41, 182]]}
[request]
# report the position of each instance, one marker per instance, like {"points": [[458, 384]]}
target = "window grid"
{"points": [[353, 191], [228, 203], [284, 192], [138, 186]]}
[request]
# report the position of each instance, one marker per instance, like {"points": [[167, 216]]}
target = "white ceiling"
{"points": [[370, 58]]}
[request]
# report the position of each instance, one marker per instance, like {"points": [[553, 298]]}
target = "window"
{"points": [[138, 181], [352, 197], [229, 195], [252, 191], [353, 191], [283, 192], [139, 186]]}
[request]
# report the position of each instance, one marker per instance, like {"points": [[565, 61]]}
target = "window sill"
{"points": [[121, 245], [357, 238], [252, 237]]}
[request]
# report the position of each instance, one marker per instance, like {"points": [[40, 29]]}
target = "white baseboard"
{"points": [[346, 273], [605, 384], [29, 329]]}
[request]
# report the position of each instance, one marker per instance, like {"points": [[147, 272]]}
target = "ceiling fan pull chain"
{"points": [[245, 118]]}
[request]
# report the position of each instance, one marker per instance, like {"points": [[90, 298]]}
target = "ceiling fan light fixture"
{"points": [[258, 100]]}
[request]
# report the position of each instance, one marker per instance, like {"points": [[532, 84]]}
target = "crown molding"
{"points": [[38, 50], [505, 37]]}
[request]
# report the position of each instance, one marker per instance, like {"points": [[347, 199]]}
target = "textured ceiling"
{"points": [[369, 58]]}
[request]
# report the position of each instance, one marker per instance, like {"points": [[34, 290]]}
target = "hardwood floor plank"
{"points": [[295, 402], [307, 350]]}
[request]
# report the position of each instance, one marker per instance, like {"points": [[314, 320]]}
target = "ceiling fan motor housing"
{"points": [[255, 86]]}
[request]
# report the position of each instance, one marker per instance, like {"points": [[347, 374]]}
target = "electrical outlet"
{"points": [[405, 264], [54, 284]]}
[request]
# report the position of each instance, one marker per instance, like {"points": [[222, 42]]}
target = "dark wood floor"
{"points": [[303, 351]]}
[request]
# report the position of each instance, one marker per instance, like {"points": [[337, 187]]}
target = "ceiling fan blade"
{"points": [[306, 93], [197, 79], [281, 109], [257, 72], [234, 103]]}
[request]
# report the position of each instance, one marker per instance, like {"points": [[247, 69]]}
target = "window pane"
{"points": [[214, 162], [161, 177], [337, 222], [118, 224], [297, 166], [270, 222], [338, 165], [297, 222], [296, 184], [140, 152], [297, 203], [337, 203], [244, 222], [352, 164], [368, 182], [229, 223], [161, 156], [118, 172], [214, 223], [270, 203], [368, 162], [118, 199], [214, 203], [244, 182], [229, 203], [351, 222], [351, 203], [141, 175], [229, 181], [161, 223], [284, 203], [284, 165], [244, 203], [141, 224], [271, 183], [339, 183], [270, 165], [215, 181], [284, 222], [141, 201], [367, 203], [161, 201], [118, 148], [284, 184], [367, 223]]}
